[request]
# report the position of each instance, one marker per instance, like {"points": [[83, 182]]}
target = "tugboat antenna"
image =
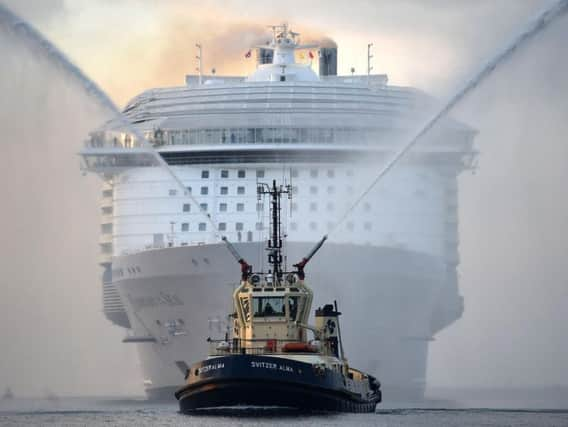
{"points": [[275, 242]]}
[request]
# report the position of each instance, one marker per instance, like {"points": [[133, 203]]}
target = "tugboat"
{"points": [[266, 359]]}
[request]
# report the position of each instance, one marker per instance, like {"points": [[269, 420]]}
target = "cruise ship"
{"points": [[166, 272]]}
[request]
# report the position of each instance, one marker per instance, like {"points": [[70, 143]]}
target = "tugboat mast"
{"points": [[275, 242]]}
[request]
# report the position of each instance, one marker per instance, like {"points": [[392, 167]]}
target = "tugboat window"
{"points": [[293, 307], [268, 306]]}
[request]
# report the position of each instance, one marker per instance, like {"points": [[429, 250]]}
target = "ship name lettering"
{"points": [[265, 365], [268, 365], [208, 368], [163, 298]]}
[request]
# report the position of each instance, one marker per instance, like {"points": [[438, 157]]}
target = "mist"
{"points": [[53, 330], [513, 215]]}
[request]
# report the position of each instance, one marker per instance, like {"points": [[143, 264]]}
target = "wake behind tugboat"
{"points": [[266, 359]]}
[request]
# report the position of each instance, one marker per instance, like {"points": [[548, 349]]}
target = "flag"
{"points": [[248, 54], [311, 54]]}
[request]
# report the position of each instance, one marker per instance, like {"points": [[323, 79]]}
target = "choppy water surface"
{"points": [[93, 412]]}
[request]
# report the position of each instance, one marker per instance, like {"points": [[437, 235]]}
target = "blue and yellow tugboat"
{"points": [[266, 359]]}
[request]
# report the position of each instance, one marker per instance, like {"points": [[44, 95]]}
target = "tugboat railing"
{"points": [[220, 347]]}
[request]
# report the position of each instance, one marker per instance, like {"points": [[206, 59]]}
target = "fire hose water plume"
{"points": [[544, 19], [27, 33]]}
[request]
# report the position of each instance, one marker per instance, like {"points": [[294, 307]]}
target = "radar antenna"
{"points": [[275, 242]]}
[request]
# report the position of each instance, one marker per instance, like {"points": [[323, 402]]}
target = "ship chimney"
{"points": [[328, 61]]}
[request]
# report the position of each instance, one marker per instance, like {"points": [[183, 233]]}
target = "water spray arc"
{"points": [[28, 33], [534, 27]]}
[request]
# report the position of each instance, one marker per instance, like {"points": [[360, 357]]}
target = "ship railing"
{"points": [[219, 347]]}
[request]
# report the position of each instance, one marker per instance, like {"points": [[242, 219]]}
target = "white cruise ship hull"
{"points": [[177, 297]]}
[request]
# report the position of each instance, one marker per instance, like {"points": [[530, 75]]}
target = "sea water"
{"points": [[132, 412]]}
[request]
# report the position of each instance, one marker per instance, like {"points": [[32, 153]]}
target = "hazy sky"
{"points": [[513, 216]]}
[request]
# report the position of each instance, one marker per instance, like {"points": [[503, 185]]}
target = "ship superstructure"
{"points": [[166, 271]]}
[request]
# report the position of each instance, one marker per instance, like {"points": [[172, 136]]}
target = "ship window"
{"points": [[188, 190], [224, 174], [202, 226], [240, 207], [107, 210], [106, 228], [241, 173], [203, 207], [224, 191], [222, 226], [259, 225], [204, 174], [185, 226], [331, 173], [282, 78], [186, 207], [293, 226], [313, 190], [314, 173], [240, 190], [222, 207], [107, 193], [368, 226], [294, 173], [313, 207], [239, 226], [260, 173], [172, 192], [268, 306], [204, 191]]}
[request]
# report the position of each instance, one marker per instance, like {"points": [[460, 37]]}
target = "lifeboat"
{"points": [[298, 347]]}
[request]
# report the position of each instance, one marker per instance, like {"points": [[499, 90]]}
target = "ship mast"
{"points": [[275, 242]]}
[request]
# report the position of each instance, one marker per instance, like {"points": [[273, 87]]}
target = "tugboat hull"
{"points": [[247, 380]]}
